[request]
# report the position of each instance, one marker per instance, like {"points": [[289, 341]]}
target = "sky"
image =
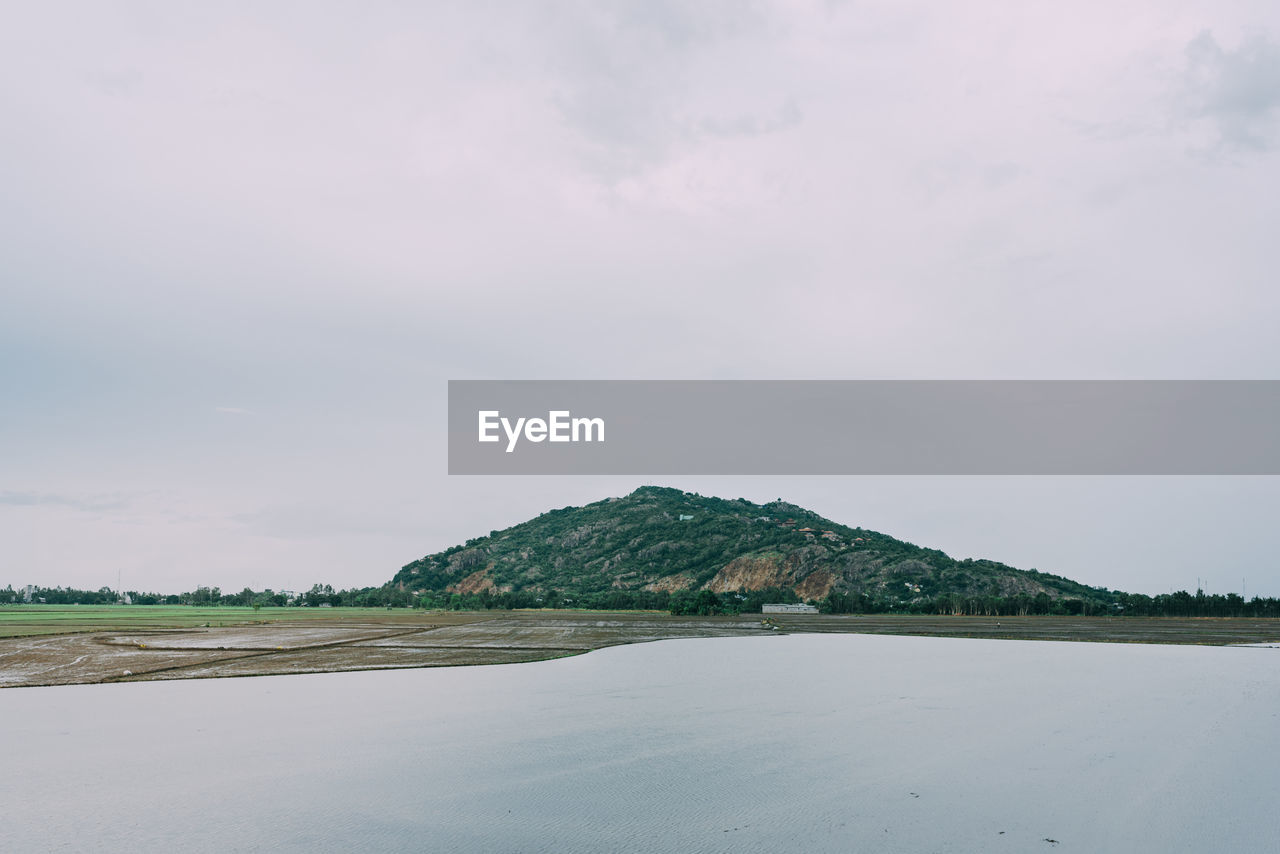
{"points": [[243, 248]]}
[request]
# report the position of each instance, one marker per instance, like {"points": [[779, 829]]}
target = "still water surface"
{"points": [[818, 743]]}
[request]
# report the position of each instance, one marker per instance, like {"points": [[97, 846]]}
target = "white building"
{"points": [[788, 609]]}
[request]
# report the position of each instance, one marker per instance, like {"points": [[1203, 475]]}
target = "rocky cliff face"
{"points": [[659, 539]]}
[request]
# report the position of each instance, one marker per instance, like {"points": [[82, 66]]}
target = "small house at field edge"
{"points": [[779, 608]]}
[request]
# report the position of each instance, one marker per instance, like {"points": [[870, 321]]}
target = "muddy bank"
{"points": [[295, 647], [441, 640]]}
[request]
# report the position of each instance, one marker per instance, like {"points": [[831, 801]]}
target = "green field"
{"points": [[28, 620], [18, 621]]}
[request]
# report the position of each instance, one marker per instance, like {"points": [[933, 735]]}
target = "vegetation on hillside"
{"points": [[659, 540]]}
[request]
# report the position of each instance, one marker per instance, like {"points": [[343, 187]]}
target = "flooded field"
{"points": [[375, 640], [366, 642], [771, 743]]}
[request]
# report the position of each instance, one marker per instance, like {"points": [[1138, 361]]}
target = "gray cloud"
{"points": [[1236, 90], [786, 116], [87, 503], [636, 80], [311, 519]]}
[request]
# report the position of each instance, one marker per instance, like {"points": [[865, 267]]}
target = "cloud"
{"points": [[233, 410], [788, 115], [1236, 90], [87, 503], [311, 520], [642, 84]]}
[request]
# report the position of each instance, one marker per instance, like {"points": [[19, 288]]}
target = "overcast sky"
{"points": [[243, 248]]}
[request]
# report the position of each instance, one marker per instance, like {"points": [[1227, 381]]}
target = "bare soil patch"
{"points": [[399, 640]]}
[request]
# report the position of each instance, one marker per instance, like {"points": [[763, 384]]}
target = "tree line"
{"points": [[681, 602], [318, 595], [1179, 604]]}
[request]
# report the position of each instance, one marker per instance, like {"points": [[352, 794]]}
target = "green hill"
{"points": [[660, 541]]}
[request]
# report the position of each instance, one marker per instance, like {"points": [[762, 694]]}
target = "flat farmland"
{"points": [[27, 620], [63, 645], [1212, 631]]}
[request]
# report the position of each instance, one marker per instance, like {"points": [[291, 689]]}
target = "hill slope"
{"points": [[660, 539]]}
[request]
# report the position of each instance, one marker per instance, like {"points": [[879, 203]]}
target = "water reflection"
{"points": [[797, 743]]}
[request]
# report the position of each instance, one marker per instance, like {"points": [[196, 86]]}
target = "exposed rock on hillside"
{"points": [[659, 539]]}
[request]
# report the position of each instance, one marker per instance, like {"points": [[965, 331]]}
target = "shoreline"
{"points": [[74, 654]]}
